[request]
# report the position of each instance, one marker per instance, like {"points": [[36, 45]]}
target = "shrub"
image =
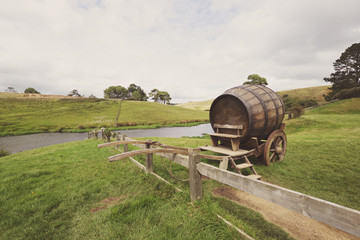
{"points": [[305, 103], [4, 153], [296, 112], [348, 93]]}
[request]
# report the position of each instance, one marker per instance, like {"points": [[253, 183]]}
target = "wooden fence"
{"points": [[343, 218]]}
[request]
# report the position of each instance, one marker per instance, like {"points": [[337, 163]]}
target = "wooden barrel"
{"points": [[259, 109]]}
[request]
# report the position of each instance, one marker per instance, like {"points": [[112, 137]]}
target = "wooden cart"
{"points": [[247, 121]]}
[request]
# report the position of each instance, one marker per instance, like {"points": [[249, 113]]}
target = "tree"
{"points": [[116, 92], [164, 97], [154, 94], [160, 96], [31, 90], [11, 90], [74, 93], [255, 79], [347, 71], [136, 93]]}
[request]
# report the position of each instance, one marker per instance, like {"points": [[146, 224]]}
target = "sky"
{"points": [[193, 49]]}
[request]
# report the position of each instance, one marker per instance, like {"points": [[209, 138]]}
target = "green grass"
{"points": [[322, 155], [23, 115], [58, 192], [200, 105], [49, 193]]}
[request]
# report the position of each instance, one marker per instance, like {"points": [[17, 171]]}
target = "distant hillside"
{"points": [[315, 93], [201, 105], [21, 114]]}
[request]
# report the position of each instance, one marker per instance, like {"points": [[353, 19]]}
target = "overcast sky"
{"points": [[193, 49]]}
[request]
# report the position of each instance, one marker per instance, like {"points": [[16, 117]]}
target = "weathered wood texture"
{"points": [[335, 215], [109, 144], [257, 108], [149, 160], [194, 177], [225, 151], [144, 151]]}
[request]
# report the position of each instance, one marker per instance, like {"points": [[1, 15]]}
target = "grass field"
{"points": [[71, 191], [314, 93], [23, 115]]}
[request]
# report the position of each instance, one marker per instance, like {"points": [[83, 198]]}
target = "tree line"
{"points": [[133, 92], [136, 93]]}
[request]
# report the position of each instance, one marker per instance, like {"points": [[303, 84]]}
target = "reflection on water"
{"points": [[15, 144]]}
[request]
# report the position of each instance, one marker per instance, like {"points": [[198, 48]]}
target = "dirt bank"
{"points": [[296, 224]]}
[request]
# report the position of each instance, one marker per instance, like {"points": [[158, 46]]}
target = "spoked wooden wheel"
{"points": [[275, 147]]}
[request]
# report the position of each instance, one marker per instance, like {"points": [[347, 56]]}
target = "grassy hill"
{"points": [[22, 114], [315, 93], [71, 191], [201, 105]]}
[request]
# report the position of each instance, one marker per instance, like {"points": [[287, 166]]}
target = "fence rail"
{"points": [[343, 218]]}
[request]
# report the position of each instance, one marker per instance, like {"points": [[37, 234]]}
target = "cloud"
{"points": [[195, 50]]}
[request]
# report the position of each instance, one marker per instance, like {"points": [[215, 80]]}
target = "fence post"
{"points": [[126, 149], [103, 133], [194, 176], [118, 138], [149, 159]]}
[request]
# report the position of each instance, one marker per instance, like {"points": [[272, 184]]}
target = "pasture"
{"points": [[71, 191], [20, 114]]}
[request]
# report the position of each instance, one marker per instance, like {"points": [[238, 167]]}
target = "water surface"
{"points": [[21, 143]]}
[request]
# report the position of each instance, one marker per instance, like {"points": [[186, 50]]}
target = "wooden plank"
{"points": [[178, 158], [343, 218], [254, 176], [225, 151], [145, 151], [244, 165], [212, 157], [225, 135], [228, 126]]}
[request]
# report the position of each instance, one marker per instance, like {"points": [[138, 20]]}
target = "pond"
{"points": [[21, 143]]}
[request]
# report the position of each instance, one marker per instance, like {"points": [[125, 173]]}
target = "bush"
{"points": [[294, 102], [4, 153], [305, 103], [31, 90], [348, 93], [297, 111]]}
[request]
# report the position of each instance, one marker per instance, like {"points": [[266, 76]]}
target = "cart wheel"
{"points": [[275, 147]]}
